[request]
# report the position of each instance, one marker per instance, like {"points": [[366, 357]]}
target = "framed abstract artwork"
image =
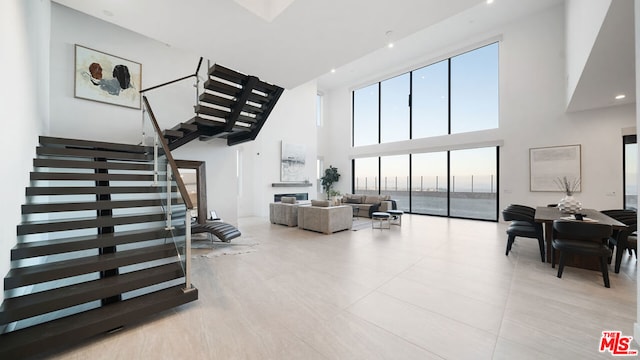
{"points": [[292, 162], [107, 78], [548, 165]]}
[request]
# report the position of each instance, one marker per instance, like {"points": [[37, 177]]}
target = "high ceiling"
{"points": [[304, 39], [291, 42]]}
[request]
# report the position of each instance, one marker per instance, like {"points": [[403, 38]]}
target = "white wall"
{"points": [[79, 118], [293, 121], [24, 35], [532, 114], [583, 22]]}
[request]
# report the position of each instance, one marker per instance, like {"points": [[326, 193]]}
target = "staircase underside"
{"points": [[234, 107]]}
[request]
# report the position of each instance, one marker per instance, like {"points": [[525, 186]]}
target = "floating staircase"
{"points": [[233, 106], [93, 251]]}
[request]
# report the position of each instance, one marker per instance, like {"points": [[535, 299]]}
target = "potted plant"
{"points": [[330, 177]]}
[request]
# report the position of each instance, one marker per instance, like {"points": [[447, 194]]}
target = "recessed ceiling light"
{"points": [[333, 71], [390, 45], [621, 96], [489, 1]]}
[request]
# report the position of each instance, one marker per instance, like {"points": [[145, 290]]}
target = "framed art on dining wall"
{"points": [[548, 165], [106, 78]]}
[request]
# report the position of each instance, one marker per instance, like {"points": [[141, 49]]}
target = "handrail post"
{"points": [[155, 159], [169, 210], [187, 256], [142, 128]]}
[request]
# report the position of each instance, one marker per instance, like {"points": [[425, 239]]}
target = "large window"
{"points": [[630, 172], [452, 96], [474, 90], [394, 109], [456, 95], [457, 183], [430, 100], [473, 183], [429, 186], [394, 179], [365, 116], [365, 176]]}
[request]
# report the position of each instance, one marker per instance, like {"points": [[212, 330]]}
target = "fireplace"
{"points": [[298, 196]]}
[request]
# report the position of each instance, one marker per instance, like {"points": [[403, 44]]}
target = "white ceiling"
{"points": [[291, 42], [610, 68], [305, 39]]}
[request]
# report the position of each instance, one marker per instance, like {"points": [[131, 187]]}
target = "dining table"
{"points": [[547, 214]]}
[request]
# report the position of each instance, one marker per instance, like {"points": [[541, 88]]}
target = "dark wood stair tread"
{"points": [[26, 306], [78, 243], [91, 144], [83, 190], [172, 133], [35, 274], [88, 153], [36, 227], [92, 205], [90, 176], [228, 103], [74, 328], [76, 164]]}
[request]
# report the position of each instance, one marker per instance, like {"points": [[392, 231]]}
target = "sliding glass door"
{"points": [[429, 183], [473, 179], [456, 183]]}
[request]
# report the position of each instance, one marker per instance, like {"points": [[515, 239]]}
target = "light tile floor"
{"points": [[434, 288]]}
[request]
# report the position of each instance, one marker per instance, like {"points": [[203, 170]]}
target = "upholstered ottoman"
{"points": [[383, 220]]}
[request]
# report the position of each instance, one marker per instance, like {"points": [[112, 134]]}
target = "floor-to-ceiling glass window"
{"points": [[394, 179], [474, 90], [430, 100], [365, 176], [630, 172], [452, 96], [365, 116], [394, 109], [473, 183], [429, 183]]}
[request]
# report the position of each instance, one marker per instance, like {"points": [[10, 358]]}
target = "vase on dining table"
{"points": [[569, 205]]}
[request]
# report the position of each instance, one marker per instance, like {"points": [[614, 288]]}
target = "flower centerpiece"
{"points": [[569, 204]]}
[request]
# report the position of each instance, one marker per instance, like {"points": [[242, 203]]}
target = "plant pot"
{"points": [[569, 205]]}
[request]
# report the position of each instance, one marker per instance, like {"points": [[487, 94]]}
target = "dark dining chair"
{"points": [[619, 239], [523, 224], [583, 239]]}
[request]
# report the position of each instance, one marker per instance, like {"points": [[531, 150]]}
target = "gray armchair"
{"points": [[325, 219], [284, 212]]}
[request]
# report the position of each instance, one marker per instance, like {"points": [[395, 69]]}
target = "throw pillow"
{"points": [[372, 199], [288, 200], [320, 203]]}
